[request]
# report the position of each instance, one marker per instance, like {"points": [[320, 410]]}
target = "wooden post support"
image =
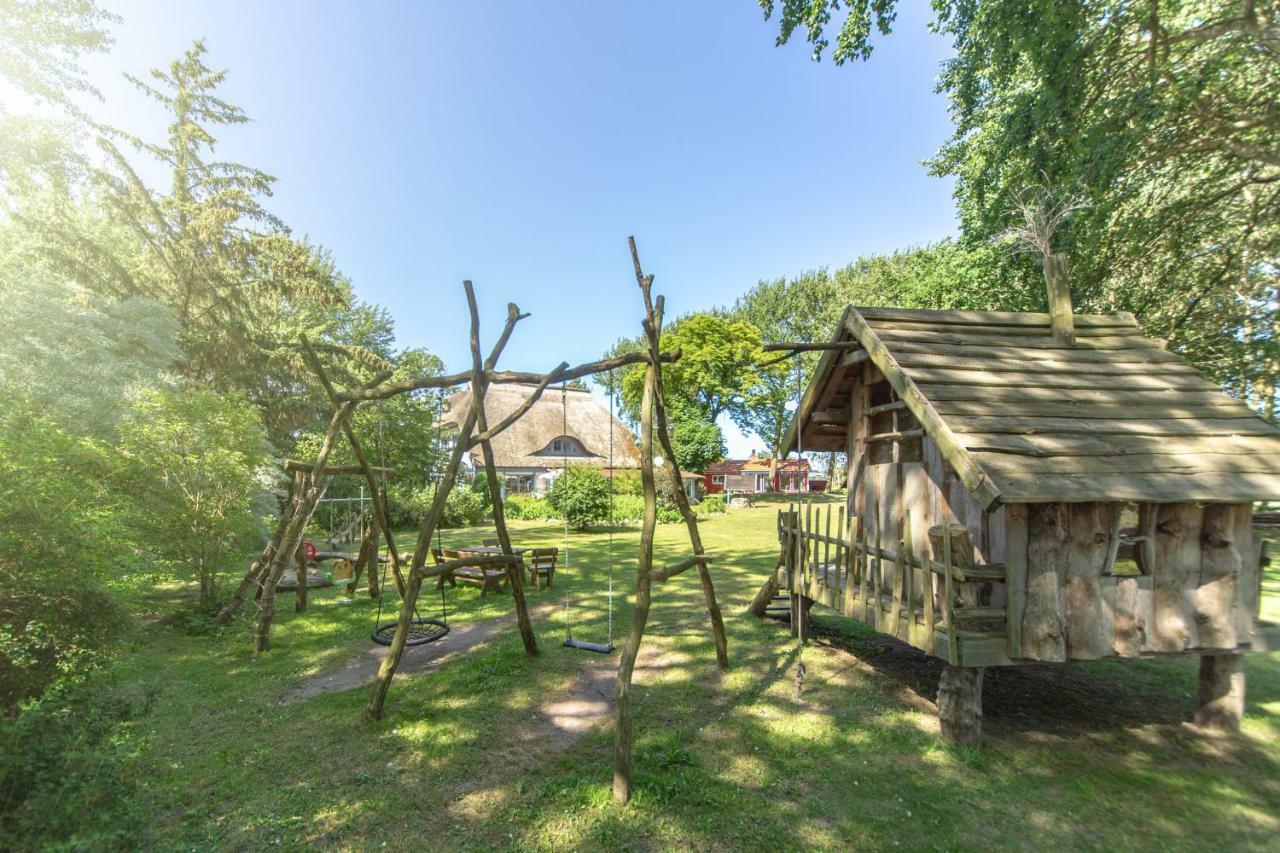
{"points": [[515, 570], [623, 730], [767, 591], [1061, 321], [960, 704], [300, 598], [253, 576], [1220, 698]]}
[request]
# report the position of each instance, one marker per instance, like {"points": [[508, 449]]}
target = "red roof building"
{"points": [[752, 475]]}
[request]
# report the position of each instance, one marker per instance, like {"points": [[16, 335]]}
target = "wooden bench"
{"points": [[542, 565]]}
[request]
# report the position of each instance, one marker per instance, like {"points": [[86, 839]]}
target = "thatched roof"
{"points": [[524, 444], [1022, 418]]}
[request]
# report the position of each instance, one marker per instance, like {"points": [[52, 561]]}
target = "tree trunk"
{"points": [[1220, 699], [960, 704]]}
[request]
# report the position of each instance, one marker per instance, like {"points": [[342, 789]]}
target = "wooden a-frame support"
{"points": [[475, 431], [653, 418]]}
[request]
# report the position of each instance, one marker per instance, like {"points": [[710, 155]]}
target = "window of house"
{"points": [[565, 445], [717, 479]]}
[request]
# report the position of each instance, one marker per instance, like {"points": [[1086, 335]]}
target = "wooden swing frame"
{"points": [[476, 431]]}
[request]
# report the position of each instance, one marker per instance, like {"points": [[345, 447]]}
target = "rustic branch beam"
{"points": [[379, 504], [292, 465], [378, 695], [501, 377], [524, 407], [685, 564]]}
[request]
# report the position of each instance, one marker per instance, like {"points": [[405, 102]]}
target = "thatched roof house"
{"points": [[562, 428]]}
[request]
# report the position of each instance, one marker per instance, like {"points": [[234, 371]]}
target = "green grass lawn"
{"points": [[1085, 756]]}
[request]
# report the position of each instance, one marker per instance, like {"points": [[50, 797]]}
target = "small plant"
{"points": [[712, 504]]}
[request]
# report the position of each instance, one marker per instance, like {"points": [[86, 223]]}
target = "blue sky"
{"points": [[518, 144]]}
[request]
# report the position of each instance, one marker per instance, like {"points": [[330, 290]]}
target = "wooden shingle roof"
{"points": [[1023, 418]]}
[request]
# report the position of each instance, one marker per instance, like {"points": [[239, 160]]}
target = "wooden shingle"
{"points": [[1023, 418]]}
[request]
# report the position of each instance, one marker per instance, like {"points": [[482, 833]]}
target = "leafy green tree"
{"points": [[76, 357], [1156, 117], [61, 539], [581, 495], [42, 41], [240, 287], [193, 461], [697, 442], [716, 366]]}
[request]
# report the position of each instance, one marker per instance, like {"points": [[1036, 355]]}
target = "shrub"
{"points": [[627, 483], [530, 508], [628, 508], [668, 512], [581, 494], [192, 461], [465, 507], [61, 537], [712, 504], [62, 766]]}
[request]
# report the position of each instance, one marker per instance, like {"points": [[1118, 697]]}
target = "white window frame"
{"points": [[717, 479]]}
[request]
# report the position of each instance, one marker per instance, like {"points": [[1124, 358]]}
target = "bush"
{"points": [[62, 767], [192, 460], [61, 537], [668, 512], [628, 508], [465, 507], [581, 494], [530, 508], [627, 483], [712, 504]]}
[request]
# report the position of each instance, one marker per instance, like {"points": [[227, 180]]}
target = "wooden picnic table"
{"points": [[490, 580]]}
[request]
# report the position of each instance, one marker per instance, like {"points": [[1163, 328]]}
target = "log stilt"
{"points": [[960, 704], [801, 623], [1220, 699], [764, 596]]}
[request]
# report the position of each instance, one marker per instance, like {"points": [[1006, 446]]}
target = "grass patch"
{"points": [[1082, 756]]}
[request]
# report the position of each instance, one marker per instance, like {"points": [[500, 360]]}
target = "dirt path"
{"points": [[584, 704], [361, 669]]}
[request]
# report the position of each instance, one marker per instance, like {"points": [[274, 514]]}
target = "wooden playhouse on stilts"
{"points": [[1020, 490]]}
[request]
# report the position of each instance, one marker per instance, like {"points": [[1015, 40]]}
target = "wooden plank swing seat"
{"points": [[1030, 487]]}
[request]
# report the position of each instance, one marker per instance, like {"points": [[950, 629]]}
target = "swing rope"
{"points": [[421, 630], [569, 641]]}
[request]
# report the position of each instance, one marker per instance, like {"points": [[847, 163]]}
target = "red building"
{"points": [[752, 475]]}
